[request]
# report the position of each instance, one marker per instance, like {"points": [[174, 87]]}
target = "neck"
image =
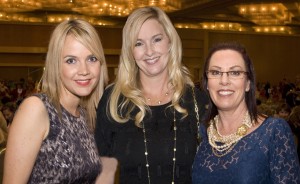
{"points": [[70, 104], [156, 90], [229, 121], [154, 86]]}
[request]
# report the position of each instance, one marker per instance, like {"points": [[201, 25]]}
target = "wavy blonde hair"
{"points": [[126, 94], [87, 35]]}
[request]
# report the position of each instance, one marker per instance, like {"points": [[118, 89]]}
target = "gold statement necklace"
{"points": [[174, 151], [223, 144]]}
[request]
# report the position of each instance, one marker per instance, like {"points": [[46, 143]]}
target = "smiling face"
{"points": [[228, 94], [151, 51], [80, 69]]}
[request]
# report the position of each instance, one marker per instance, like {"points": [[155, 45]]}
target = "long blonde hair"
{"points": [[126, 95], [87, 35]]}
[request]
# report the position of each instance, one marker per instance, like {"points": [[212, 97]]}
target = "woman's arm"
{"points": [[109, 167], [104, 127], [29, 127], [284, 163]]}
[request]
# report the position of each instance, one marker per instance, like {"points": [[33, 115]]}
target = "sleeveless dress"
{"points": [[267, 156], [69, 153]]}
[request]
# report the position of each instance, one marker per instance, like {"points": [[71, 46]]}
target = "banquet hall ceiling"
{"points": [[281, 16]]}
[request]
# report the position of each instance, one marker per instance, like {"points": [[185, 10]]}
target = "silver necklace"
{"points": [[174, 151]]}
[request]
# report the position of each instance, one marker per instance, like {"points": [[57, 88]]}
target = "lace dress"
{"points": [[267, 155], [68, 154]]}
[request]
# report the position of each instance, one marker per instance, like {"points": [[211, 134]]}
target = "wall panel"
{"points": [[274, 56]]}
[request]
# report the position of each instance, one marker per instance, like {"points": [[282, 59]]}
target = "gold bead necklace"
{"points": [[223, 144], [174, 151], [159, 101]]}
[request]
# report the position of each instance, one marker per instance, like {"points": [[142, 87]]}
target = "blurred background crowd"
{"points": [[11, 95]]}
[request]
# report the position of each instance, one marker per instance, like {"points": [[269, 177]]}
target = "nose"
{"points": [[83, 69], [224, 79], [149, 49]]}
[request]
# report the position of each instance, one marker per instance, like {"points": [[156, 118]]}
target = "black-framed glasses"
{"points": [[233, 74]]}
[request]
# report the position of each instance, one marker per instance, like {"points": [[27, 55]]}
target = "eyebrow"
{"points": [[69, 56], [232, 67], [159, 34]]}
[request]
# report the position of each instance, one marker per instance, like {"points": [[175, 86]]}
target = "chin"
{"points": [[84, 93]]}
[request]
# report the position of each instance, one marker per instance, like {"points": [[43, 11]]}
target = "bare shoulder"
{"points": [[31, 106], [32, 102], [32, 115]]}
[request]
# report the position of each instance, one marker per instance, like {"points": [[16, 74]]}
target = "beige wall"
{"points": [[23, 48], [274, 56]]}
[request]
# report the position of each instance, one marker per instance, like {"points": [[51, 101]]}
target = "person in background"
{"points": [[51, 137], [294, 121], [19, 93], [8, 111], [3, 139], [148, 117], [4, 92], [239, 144], [283, 111], [3, 132]]}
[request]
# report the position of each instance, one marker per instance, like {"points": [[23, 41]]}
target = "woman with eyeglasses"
{"points": [[240, 145]]}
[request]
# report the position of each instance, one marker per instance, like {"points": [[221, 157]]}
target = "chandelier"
{"points": [[266, 14], [87, 7], [94, 11], [103, 8], [19, 5], [273, 29], [225, 26]]}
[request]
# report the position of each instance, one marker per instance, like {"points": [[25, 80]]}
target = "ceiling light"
{"points": [[273, 29], [229, 26], [266, 14]]}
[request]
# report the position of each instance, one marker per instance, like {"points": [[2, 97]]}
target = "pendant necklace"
{"points": [[174, 151], [159, 101]]}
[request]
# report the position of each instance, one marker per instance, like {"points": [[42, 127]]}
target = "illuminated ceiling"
{"points": [[280, 17]]}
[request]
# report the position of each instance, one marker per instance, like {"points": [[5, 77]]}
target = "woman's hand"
{"points": [[109, 167]]}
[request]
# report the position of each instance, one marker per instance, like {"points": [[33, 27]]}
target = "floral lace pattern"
{"points": [[267, 155]]}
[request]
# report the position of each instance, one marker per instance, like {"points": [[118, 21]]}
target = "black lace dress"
{"points": [[125, 141], [68, 154]]}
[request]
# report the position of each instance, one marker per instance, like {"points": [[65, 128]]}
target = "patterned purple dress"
{"points": [[68, 154]]}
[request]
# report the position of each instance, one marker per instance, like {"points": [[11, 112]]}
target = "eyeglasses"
{"points": [[215, 74]]}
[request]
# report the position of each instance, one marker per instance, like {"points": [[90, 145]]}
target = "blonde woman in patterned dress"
{"points": [[51, 137]]}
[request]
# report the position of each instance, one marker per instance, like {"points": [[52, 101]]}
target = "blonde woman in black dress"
{"points": [[148, 118]]}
